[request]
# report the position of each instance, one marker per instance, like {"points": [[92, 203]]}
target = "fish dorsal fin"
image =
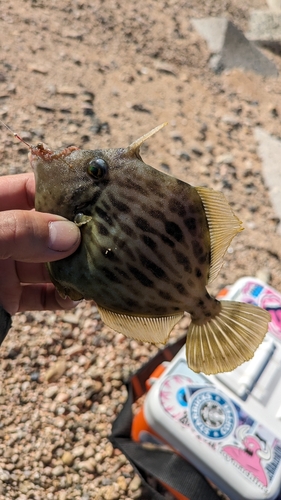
{"points": [[223, 226], [135, 146], [154, 330]]}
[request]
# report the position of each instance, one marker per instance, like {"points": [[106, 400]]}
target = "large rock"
{"points": [[265, 27], [274, 4], [230, 48], [269, 149]]}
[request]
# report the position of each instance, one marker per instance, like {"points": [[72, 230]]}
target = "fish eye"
{"points": [[97, 168]]}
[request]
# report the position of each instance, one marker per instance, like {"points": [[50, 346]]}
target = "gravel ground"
{"points": [[100, 74], [62, 386]]}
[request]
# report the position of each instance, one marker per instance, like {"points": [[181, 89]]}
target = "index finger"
{"points": [[17, 192]]}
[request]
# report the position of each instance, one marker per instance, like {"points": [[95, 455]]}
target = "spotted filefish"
{"points": [[150, 243]]}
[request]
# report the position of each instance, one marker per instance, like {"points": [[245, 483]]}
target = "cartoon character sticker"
{"points": [[251, 454]]}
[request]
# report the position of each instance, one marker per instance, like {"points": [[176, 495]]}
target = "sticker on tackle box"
{"points": [[224, 426]]}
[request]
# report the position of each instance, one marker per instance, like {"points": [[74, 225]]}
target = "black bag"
{"points": [[5, 323], [166, 466]]}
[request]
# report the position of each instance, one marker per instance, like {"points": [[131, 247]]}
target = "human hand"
{"points": [[27, 240]]}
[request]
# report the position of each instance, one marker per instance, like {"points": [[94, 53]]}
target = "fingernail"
{"points": [[63, 235]]}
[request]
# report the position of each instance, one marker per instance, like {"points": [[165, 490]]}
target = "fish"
{"points": [[150, 245]]}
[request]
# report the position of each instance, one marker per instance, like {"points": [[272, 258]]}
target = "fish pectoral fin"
{"points": [[154, 330], [227, 340], [222, 223]]}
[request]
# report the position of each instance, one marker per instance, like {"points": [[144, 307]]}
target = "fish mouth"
{"points": [[82, 208], [42, 151]]}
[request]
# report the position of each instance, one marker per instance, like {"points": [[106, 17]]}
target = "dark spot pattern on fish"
{"points": [[157, 214], [121, 207], [131, 185], [109, 254], [131, 303], [142, 278], [180, 288], [156, 248], [198, 272], [154, 187], [97, 194], [110, 275], [183, 260], [174, 230], [144, 225], [165, 295], [123, 246], [167, 241], [208, 296], [128, 230], [104, 215], [158, 310], [149, 242], [122, 273], [190, 223], [157, 271], [204, 258], [177, 207], [102, 229], [195, 208], [197, 248], [105, 205]]}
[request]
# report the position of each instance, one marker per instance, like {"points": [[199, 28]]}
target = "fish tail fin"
{"points": [[228, 339]]}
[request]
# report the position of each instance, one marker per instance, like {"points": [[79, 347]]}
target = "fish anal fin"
{"points": [[145, 329], [222, 223], [227, 340]]}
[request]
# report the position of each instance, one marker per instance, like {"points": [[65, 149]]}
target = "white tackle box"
{"points": [[227, 425]]}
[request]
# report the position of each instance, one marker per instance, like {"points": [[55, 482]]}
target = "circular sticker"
{"points": [[212, 414], [174, 395]]}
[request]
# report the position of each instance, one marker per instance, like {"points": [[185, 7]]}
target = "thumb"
{"points": [[30, 236]]}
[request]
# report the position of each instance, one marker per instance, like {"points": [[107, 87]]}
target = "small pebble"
{"points": [[89, 452], [62, 397], [58, 470], [56, 371], [51, 391], [78, 451], [70, 318], [122, 483], [88, 465], [68, 458], [264, 275], [228, 159]]}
